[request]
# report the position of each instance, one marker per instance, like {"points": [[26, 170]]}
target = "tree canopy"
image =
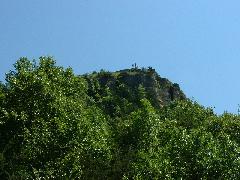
{"points": [[58, 125]]}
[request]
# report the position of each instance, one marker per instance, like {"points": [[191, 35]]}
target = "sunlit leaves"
{"points": [[56, 125], [55, 131]]}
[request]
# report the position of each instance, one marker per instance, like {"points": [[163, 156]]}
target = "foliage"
{"points": [[49, 129], [56, 125]]}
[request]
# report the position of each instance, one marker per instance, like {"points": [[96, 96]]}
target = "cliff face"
{"points": [[160, 91]]}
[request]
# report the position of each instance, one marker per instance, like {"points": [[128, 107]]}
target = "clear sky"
{"points": [[195, 43]]}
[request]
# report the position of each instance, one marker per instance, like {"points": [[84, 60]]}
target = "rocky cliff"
{"points": [[160, 91]]}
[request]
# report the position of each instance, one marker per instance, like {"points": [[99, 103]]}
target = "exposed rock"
{"points": [[160, 91]]}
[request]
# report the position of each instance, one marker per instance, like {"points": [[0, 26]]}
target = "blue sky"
{"points": [[195, 43]]}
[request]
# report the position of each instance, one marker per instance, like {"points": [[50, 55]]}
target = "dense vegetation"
{"points": [[54, 124]]}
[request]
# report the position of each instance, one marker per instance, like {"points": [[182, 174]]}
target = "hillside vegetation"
{"points": [[129, 124]]}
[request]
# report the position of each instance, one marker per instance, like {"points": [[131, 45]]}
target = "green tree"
{"points": [[49, 127]]}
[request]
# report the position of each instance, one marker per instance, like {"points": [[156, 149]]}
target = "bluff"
{"points": [[134, 84]]}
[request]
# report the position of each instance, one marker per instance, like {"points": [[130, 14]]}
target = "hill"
{"points": [[125, 88], [159, 90]]}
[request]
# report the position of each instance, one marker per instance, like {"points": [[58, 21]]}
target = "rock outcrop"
{"points": [[160, 91]]}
